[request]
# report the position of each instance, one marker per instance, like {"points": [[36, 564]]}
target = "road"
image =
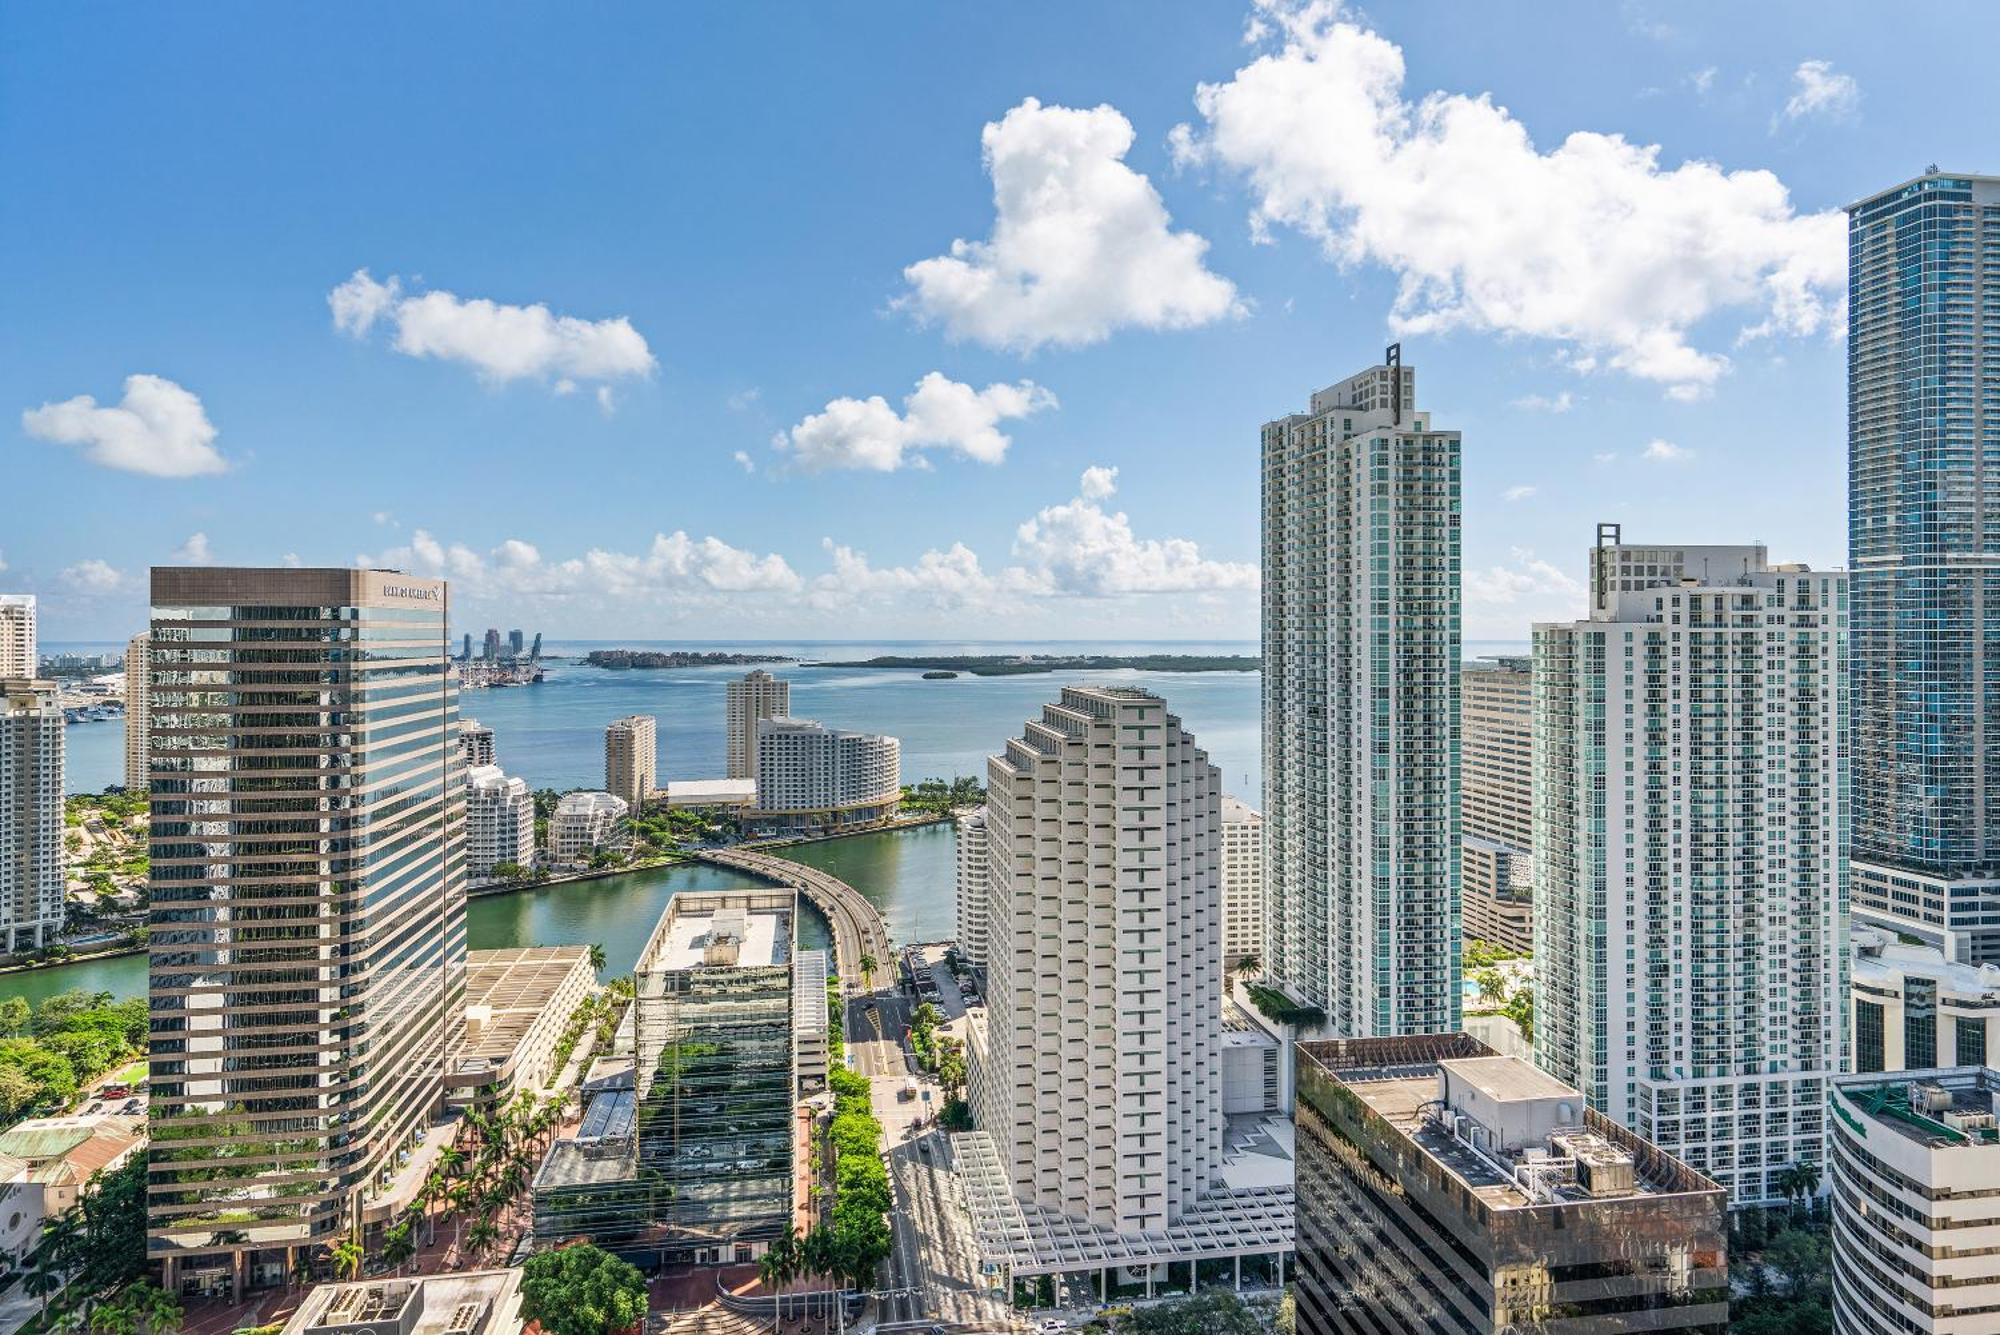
{"points": [[858, 929]]}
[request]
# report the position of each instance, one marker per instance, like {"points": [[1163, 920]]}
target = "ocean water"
{"points": [[552, 734]]}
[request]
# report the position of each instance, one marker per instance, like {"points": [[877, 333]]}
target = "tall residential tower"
{"points": [[18, 658], [1690, 780], [307, 966], [138, 712], [32, 856], [1923, 530], [755, 695], [632, 760], [1361, 675]]}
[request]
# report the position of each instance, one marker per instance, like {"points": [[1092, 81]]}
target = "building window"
{"points": [[1920, 1029], [1971, 1042], [1868, 1054]]}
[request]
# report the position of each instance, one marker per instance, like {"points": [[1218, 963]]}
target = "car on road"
{"points": [[1053, 1324], [132, 1106]]}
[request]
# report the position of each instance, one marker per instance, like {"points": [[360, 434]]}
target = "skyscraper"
{"points": [[1242, 883], [632, 760], [138, 712], [18, 658], [756, 695], [499, 821], [972, 893], [1101, 1083], [1361, 665], [1923, 528], [1496, 742], [31, 813], [477, 741], [1690, 830], [307, 964]]}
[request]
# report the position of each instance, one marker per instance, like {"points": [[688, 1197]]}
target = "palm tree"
{"points": [[482, 1234], [43, 1280], [451, 1161], [1249, 966], [399, 1243], [597, 958], [159, 1309], [778, 1266], [868, 966], [347, 1256]]}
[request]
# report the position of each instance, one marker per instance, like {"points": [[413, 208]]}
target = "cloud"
{"points": [[674, 564], [194, 551], [1665, 452], [501, 343], [385, 518], [1703, 80], [1078, 547], [1527, 579], [1592, 245], [1081, 243], [290, 560], [742, 457], [744, 400], [92, 578], [868, 433], [1820, 90], [1519, 492], [1604, 457], [1541, 403], [159, 429]]}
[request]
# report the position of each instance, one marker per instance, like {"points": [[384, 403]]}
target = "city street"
{"points": [[933, 1270]]}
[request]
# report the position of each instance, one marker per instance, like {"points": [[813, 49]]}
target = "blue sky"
{"points": [[738, 225]]}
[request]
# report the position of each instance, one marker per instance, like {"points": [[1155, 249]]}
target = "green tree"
{"points": [[581, 1290], [868, 966], [14, 1012], [597, 958], [1212, 1313]]}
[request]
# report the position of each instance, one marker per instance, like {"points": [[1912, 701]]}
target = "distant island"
{"points": [[675, 658], [940, 676], [1013, 665]]}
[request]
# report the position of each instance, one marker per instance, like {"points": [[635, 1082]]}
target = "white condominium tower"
{"points": [[1103, 1093], [756, 695], [499, 821], [632, 760], [972, 892], [1496, 743], [1242, 883], [31, 813], [307, 944], [138, 712], [1690, 833], [1361, 660], [18, 658]]}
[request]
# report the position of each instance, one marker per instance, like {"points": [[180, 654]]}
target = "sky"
{"points": [[905, 320]]}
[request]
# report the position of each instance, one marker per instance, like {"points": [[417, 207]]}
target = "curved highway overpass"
{"points": [[858, 928]]}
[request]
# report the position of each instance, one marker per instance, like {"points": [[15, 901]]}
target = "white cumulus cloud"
{"points": [[1527, 580], [1079, 547], [1592, 244], [1081, 245], [672, 565], [1818, 89], [92, 577], [500, 342], [1545, 403], [1519, 492], [195, 551], [158, 429], [940, 412], [1666, 452]]}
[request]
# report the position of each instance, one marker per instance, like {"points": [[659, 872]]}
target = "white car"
{"points": [[1054, 1323]]}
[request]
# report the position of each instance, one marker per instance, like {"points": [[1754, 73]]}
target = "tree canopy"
{"points": [[581, 1290]]}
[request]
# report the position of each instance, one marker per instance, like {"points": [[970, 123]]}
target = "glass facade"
{"points": [[1392, 1237], [1869, 1054], [307, 960], [1924, 538], [1920, 1024], [1361, 655]]}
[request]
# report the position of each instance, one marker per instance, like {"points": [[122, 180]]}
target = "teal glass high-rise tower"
{"points": [[1924, 543]]}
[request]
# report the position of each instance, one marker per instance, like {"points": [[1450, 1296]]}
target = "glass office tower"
{"points": [[307, 968], [1923, 390]]}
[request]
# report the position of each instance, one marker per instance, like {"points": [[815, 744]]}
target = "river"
{"points": [[910, 874]]}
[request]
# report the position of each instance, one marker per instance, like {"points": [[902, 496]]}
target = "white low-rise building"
{"points": [[499, 821], [1910, 1008], [1916, 1202], [583, 823]]}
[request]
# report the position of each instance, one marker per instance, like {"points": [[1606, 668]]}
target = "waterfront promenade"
{"points": [[858, 929]]}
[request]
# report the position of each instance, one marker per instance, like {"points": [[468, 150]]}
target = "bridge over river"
{"points": [[858, 928]]}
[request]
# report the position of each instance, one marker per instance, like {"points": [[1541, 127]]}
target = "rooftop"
{"points": [[1946, 1108], [1880, 959], [763, 939], [1508, 1079], [470, 1302], [516, 986]]}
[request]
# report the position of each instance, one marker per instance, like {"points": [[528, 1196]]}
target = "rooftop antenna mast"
{"points": [[1392, 356]]}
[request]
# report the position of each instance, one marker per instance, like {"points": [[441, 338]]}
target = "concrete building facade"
{"points": [[1923, 401], [1911, 1008], [812, 777], [499, 821], [32, 856], [19, 657], [1242, 883], [751, 697], [1496, 748], [1103, 1091], [307, 985], [583, 823], [1360, 682], [1690, 778], [972, 890], [1916, 1202], [138, 712], [632, 760], [477, 739], [1444, 1188]]}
